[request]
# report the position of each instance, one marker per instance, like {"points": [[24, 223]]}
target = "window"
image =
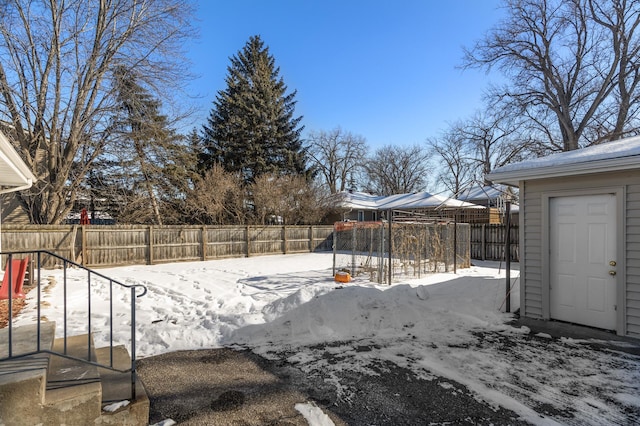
{"points": [[360, 216]]}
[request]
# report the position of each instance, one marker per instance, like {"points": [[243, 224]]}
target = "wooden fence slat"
{"points": [[114, 245], [488, 242]]}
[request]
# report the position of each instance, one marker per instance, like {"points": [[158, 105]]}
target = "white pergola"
{"points": [[14, 173]]}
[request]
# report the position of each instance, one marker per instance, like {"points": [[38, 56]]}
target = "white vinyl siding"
{"points": [[532, 268], [532, 192], [632, 293]]}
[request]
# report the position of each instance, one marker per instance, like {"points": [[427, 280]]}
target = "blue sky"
{"points": [[385, 70]]}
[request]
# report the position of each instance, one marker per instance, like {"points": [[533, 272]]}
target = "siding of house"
{"points": [[633, 260], [533, 303], [11, 210], [531, 251]]}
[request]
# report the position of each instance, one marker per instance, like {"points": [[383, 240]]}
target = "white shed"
{"points": [[580, 235]]}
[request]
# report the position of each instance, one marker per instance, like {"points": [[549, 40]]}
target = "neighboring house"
{"points": [[487, 195], [14, 175], [12, 211], [580, 235], [361, 206]]}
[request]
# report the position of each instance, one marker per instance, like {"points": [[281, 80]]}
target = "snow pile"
{"points": [[404, 310], [115, 406], [314, 415]]}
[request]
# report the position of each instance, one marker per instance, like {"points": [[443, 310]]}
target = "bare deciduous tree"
{"points": [[397, 170], [338, 156], [492, 140], [55, 87], [573, 67], [456, 167], [290, 197], [217, 198]]}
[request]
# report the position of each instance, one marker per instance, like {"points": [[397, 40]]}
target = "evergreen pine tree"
{"points": [[251, 128], [152, 164]]}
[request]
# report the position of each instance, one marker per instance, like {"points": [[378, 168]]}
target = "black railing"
{"points": [[42, 259]]}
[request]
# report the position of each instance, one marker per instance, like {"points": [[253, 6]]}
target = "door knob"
{"points": [[612, 263], [612, 273]]}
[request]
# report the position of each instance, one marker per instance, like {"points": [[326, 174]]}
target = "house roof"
{"points": [[623, 154], [418, 200], [478, 192], [14, 173]]}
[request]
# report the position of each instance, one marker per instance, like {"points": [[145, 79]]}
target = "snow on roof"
{"points": [[487, 192], [418, 200], [622, 154], [357, 200]]}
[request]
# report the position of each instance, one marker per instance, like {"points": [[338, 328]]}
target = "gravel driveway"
{"points": [[239, 387], [229, 387]]}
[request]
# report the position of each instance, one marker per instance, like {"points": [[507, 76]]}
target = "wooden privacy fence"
{"points": [[488, 242], [99, 246], [113, 245]]}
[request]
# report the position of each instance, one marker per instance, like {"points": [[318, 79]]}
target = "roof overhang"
{"points": [[14, 173], [513, 177], [616, 156]]}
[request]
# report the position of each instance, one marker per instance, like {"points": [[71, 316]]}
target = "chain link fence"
{"points": [[416, 249]]}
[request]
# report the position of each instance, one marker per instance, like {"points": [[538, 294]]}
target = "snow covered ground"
{"points": [[446, 325]]}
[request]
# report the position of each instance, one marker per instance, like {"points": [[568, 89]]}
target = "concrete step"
{"points": [[52, 390], [23, 380], [24, 340], [74, 392], [116, 387]]}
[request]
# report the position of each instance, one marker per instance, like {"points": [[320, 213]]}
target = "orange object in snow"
{"points": [[343, 277]]}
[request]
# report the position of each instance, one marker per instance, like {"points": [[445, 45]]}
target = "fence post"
{"points": [[248, 240], [446, 247], [84, 245], [284, 239], [390, 214], [353, 250], [455, 246], [381, 254], [72, 243], [311, 239], [483, 249], [335, 248], [507, 251], [150, 244], [203, 239]]}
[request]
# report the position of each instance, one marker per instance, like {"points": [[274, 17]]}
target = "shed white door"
{"points": [[582, 238]]}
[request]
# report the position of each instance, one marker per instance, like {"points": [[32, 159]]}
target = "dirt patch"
{"points": [[18, 304]]}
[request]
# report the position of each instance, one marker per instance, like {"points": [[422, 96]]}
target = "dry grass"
{"points": [[16, 307]]}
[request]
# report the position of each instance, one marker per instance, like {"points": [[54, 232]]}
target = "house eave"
{"points": [[598, 166], [15, 175]]}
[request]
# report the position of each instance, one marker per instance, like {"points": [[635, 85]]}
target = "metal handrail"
{"points": [[66, 263]]}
